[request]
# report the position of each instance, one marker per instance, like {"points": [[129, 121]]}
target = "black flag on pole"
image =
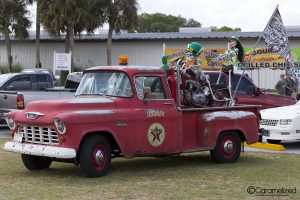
{"points": [[276, 38]]}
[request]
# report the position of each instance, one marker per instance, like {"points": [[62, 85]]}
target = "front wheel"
{"points": [[228, 148], [95, 156], [36, 162]]}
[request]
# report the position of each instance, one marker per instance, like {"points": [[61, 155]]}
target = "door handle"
{"points": [[168, 103], [5, 97]]}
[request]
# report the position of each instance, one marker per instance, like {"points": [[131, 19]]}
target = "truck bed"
{"points": [[198, 123]]}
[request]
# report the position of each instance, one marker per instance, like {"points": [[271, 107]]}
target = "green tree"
{"points": [[159, 22], [71, 17], [120, 15], [192, 23], [224, 29], [13, 20]]}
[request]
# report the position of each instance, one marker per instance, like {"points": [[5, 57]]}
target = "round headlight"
{"points": [[60, 126], [10, 122]]}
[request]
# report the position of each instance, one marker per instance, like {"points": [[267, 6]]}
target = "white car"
{"points": [[281, 123]]}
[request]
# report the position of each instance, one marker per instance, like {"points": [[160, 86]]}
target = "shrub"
{"points": [[63, 77], [15, 68]]}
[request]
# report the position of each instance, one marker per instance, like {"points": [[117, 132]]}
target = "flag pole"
{"points": [[263, 31], [255, 46]]}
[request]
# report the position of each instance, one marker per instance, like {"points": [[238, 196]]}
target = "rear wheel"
{"points": [[95, 156], [36, 162], [228, 148]]}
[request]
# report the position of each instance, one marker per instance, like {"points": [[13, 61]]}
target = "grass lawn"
{"points": [[188, 176]]}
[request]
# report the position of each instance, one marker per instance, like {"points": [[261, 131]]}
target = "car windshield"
{"points": [[109, 83], [4, 78]]}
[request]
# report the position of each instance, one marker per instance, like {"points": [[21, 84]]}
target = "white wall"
{"points": [[148, 53], [264, 78]]}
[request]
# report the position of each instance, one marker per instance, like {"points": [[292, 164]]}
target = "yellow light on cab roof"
{"points": [[123, 60]]}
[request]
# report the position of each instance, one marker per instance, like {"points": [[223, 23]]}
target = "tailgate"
{"points": [[8, 101]]}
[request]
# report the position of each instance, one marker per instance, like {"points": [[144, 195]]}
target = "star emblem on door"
{"points": [[156, 134]]}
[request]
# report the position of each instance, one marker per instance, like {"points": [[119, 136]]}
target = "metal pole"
{"points": [[178, 84]]}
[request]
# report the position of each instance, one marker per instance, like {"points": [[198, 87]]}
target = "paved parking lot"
{"points": [[4, 132]]}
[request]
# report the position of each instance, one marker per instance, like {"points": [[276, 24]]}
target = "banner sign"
{"points": [[212, 59]]}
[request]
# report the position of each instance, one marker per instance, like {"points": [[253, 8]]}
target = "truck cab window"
{"points": [[20, 84], [150, 87], [245, 86], [42, 82], [105, 83], [213, 78]]}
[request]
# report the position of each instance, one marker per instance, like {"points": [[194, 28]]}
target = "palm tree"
{"points": [[38, 63], [13, 19], [120, 15], [70, 17]]}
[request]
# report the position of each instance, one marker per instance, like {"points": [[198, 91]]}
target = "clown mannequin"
{"points": [[196, 92], [194, 49]]}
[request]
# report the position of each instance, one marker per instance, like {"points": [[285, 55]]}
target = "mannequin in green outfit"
{"points": [[165, 66], [234, 54]]}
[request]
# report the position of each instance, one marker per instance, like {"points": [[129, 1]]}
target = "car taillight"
{"points": [[20, 101]]}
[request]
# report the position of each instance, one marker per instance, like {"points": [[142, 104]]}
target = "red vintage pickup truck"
{"points": [[125, 111]]}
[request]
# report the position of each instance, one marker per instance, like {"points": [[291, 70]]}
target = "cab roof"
{"points": [[129, 69]]}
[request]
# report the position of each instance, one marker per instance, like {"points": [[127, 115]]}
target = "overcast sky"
{"points": [[250, 15]]}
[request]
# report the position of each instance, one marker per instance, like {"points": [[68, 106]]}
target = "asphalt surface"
{"points": [[291, 147], [4, 132]]}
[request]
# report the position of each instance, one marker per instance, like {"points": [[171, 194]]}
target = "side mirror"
{"points": [[257, 91]]}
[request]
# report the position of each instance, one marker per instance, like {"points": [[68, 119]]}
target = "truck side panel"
{"points": [[202, 126], [243, 122]]}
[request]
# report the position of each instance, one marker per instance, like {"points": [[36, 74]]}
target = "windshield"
{"points": [[105, 83], [4, 78]]}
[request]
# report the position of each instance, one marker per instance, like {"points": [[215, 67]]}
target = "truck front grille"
{"points": [[39, 135], [268, 122]]}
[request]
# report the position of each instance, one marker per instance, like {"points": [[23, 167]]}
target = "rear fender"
{"points": [[244, 123]]}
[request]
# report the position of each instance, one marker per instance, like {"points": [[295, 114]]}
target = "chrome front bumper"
{"points": [[40, 150]]}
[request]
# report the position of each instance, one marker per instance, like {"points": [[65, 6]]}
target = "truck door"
{"points": [[158, 126]]}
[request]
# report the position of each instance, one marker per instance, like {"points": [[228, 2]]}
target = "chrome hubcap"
{"points": [[99, 156], [228, 146]]}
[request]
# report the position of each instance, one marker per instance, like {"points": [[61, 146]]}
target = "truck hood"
{"points": [[277, 99], [283, 112], [279, 96], [68, 108]]}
